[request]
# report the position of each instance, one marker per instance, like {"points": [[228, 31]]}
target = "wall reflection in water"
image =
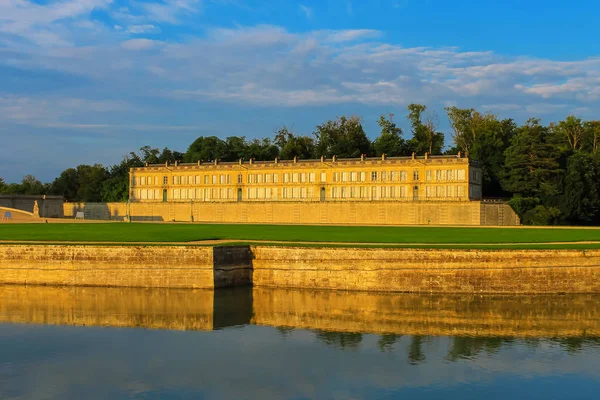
{"points": [[294, 344], [323, 311]]}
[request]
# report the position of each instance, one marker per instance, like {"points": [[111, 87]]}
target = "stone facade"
{"points": [[398, 179], [471, 213]]}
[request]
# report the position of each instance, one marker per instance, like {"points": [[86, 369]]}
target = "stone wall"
{"points": [[374, 270], [359, 213], [428, 270], [48, 206], [424, 315], [126, 266]]}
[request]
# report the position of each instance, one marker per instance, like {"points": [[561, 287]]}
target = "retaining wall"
{"points": [[428, 270], [126, 266], [353, 213]]}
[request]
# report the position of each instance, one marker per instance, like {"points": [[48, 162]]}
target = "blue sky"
{"points": [[85, 81]]}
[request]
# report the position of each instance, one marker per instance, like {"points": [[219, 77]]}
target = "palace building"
{"points": [[417, 190], [360, 180]]}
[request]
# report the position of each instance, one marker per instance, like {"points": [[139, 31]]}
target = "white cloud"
{"points": [[308, 12], [139, 44], [146, 28]]}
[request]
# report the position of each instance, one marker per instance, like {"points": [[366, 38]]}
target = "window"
{"points": [[286, 178], [334, 193], [214, 179], [393, 176], [461, 174], [311, 177], [392, 191], [295, 177], [362, 176], [183, 180], [353, 192], [363, 192], [239, 178], [303, 177], [343, 192], [275, 178], [428, 192], [336, 176], [383, 176], [415, 175], [383, 192], [259, 178], [344, 176], [206, 179], [428, 175], [323, 177], [374, 176], [460, 191], [402, 176], [450, 174]]}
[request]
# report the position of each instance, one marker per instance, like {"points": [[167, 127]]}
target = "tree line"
{"points": [[549, 173]]}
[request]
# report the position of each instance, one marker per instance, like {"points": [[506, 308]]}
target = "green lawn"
{"points": [[150, 232]]}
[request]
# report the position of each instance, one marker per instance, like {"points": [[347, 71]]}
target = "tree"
{"points": [[206, 148], [343, 137], [116, 185], [592, 135], [291, 146], [581, 203], [236, 148], [390, 140], [570, 132], [262, 149], [2, 185], [90, 179], [66, 185], [463, 125], [492, 138], [425, 138], [531, 167]]}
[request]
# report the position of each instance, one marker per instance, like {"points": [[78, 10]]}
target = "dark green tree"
{"points": [[66, 185], [531, 167], [390, 140], [291, 146], [343, 137], [262, 149], [581, 203], [207, 149], [116, 185], [592, 143], [236, 148], [425, 138]]}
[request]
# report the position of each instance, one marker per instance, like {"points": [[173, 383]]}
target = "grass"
{"points": [[414, 237]]}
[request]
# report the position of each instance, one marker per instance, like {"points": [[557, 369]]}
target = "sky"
{"points": [[88, 81]]}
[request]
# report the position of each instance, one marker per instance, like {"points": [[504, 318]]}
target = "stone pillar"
{"points": [[36, 209], [426, 155], [334, 158]]}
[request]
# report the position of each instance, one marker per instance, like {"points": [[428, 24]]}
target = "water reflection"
{"points": [[60, 343]]}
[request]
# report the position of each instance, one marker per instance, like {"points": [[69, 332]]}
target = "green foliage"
{"points": [[542, 215], [116, 185], [425, 138], [581, 204], [2, 185], [521, 205], [343, 137], [206, 149], [390, 140], [29, 185], [291, 146], [531, 166]]}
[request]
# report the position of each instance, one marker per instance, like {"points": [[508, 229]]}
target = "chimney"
{"points": [[251, 160], [216, 161], [334, 158], [295, 159], [276, 160], [426, 155], [322, 158], [459, 154], [413, 155], [383, 156], [241, 161], [199, 162], [362, 157]]}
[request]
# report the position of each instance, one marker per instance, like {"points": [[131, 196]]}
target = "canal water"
{"points": [[103, 343]]}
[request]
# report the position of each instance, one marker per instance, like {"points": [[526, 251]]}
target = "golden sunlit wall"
{"points": [[433, 178]]}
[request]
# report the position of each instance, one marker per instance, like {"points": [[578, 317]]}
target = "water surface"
{"points": [[99, 343]]}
